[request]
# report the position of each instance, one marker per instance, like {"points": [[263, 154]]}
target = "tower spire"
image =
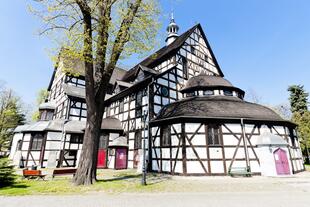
{"points": [[172, 30]]}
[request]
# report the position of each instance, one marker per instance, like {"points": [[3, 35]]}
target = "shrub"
{"points": [[7, 173]]}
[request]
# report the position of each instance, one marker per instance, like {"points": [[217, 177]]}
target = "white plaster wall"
{"points": [[175, 152], [174, 140], [199, 139], [255, 167], [194, 167], [229, 139], [267, 162], [130, 155], [165, 166], [16, 138], [54, 136], [191, 127], [215, 153], [155, 166], [236, 128], [165, 153], [201, 151], [217, 166], [178, 167]]}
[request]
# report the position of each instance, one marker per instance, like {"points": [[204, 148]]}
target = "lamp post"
{"points": [[143, 181]]}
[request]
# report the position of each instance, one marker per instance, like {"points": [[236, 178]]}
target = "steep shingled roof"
{"points": [[166, 51], [217, 107]]}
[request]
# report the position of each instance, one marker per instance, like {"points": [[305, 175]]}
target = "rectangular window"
{"points": [[138, 139], [165, 136], [208, 93], [139, 104], [103, 141], [72, 153], [228, 93], [76, 139], [37, 141], [121, 106], [191, 94], [185, 69], [77, 109], [193, 50], [292, 137], [213, 133]]}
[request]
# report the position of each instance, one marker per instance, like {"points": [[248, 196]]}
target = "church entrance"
{"points": [[120, 158], [281, 162]]}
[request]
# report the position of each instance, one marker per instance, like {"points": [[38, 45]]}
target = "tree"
{"points": [[7, 173], [42, 96], [303, 122], [10, 117], [298, 98], [283, 110], [253, 96], [301, 116], [99, 32]]}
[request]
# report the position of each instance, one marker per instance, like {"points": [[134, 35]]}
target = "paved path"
{"points": [[200, 192], [246, 199]]}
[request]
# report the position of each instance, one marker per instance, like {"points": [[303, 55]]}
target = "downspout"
{"points": [[245, 143], [63, 139], [149, 164]]}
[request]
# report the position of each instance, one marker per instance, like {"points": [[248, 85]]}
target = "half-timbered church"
{"points": [[177, 102]]}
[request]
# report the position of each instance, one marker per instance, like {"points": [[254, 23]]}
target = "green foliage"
{"points": [[298, 98], [42, 96], [7, 173], [63, 23], [10, 117], [301, 115], [303, 122]]}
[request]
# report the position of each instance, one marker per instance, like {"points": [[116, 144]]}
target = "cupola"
{"points": [[210, 85], [172, 30]]}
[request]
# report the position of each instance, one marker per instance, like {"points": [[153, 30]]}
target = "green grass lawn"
{"points": [[109, 181], [307, 167]]}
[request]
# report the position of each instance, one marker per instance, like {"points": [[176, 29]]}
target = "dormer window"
{"points": [[208, 93], [193, 49], [46, 115], [228, 93], [191, 94]]}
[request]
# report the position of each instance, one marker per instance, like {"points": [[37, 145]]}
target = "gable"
{"points": [[199, 55]]}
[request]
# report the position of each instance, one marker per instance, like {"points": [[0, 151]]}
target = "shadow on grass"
{"points": [[14, 185], [121, 177], [151, 179]]}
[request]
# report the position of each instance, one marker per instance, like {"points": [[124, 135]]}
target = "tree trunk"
{"points": [[86, 173]]}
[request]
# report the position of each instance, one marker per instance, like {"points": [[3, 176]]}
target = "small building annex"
{"points": [[197, 122]]}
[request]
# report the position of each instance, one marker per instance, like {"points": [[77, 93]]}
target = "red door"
{"points": [[121, 158], [281, 161], [101, 162]]}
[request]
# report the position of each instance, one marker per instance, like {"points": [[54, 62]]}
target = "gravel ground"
{"points": [[198, 191]]}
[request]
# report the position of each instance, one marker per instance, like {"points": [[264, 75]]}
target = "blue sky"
{"points": [[260, 45]]}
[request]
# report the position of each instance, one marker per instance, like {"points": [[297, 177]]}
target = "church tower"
{"points": [[172, 30]]}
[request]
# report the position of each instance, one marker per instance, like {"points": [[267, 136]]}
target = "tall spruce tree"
{"points": [[298, 98], [301, 116]]}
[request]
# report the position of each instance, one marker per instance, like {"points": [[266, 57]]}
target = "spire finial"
{"points": [[172, 30]]}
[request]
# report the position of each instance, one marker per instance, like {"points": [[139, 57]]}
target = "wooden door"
{"points": [[101, 161], [281, 162], [121, 158]]}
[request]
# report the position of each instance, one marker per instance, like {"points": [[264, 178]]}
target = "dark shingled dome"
{"points": [[111, 123], [204, 81], [224, 107]]}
